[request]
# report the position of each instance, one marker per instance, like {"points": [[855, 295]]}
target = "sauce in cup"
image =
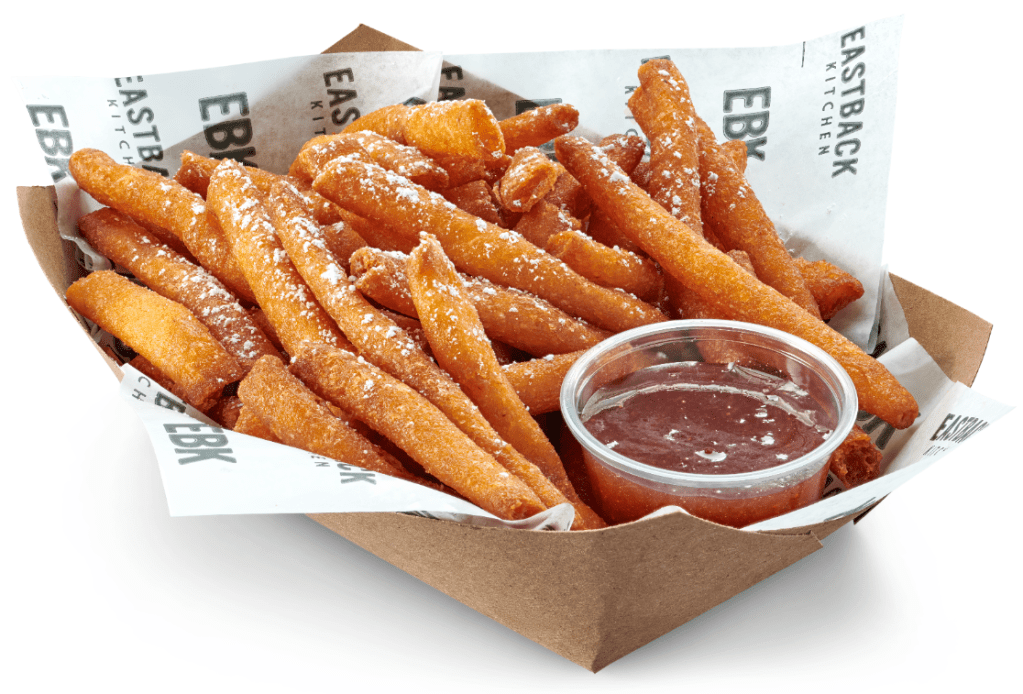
{"points": [[733, 422]]}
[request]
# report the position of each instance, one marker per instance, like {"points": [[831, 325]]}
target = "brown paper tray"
{"points": [[591, 596]]}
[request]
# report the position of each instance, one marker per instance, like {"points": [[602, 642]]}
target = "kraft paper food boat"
{"points": [[593, 596]]}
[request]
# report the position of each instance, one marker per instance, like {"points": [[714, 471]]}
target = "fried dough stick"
{"points": [[832, 287], [151, 199], [537, 382], [538, 126], [476, 247], [297, 418], [709, 272], [664, 110], [608, 267], [458, 342], [417, 427], [383, 343], [171, 275], [285, 298], [512, 316], [856, 460], [529, 177], [195, 174], [163, 331], [735, 216]]}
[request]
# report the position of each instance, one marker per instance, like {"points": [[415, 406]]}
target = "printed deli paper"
{"points": [[816, 118], [259, 113]]}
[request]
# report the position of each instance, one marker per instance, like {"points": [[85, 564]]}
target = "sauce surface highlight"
{"points": [[704, 418]]}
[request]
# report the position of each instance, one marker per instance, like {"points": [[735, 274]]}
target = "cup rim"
{"points": [[573, 381]]}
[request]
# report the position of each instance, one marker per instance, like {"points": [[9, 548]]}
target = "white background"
{"points": [[100, 588]]}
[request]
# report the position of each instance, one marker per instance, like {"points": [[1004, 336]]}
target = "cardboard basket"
{"points": [[591, 596]]}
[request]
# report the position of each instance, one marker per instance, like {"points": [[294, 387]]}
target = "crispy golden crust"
{"points": [[537, 382], [476, 198], [663, 109], [388, 121], [543, 221], [151, 199], [608, 267], [832, 287], [857, 460], [297, 418], [479, 248], [285, 298], [529, 177], [461, 348], [417, 427], [538, 126], [732, 212], [171, 275], [163, 331], [511, 316], [704, 269]]}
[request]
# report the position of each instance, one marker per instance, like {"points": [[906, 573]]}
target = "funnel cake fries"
{"points": [[538, 126], [417, 427], [709, 272], [280, 291], [153, 200], [511, 316], [297, 418], [163, 331], [663, 109], [460, 347], [476, 247], [537, 382], [734, 215], [382, 342], [167, 273]]}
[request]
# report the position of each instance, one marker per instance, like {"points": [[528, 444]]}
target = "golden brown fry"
{"points": [[403, 159], [388, 121], [461, 348], [529, 177], [600, 228], [150, 199], [664, 110], [511, 316], [625, 150], [417, 427], [732, 212], [476, 198], [462, 136], [538, 126], [701, 267], [608, 267], [226, 411], [297, 417], [537, 382], [248, 423], [280, 291], [857, 460], [163, 331], [476, 247], [832, 287], [317, 152], [736, 149], [161, 269], [544, 220], [382, 342]]}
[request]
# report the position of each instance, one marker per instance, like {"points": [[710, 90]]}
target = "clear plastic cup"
{"points": [[626, 489]]}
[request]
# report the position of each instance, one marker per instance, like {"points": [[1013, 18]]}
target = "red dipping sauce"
{"points": [[730, 421], [707, 419]]}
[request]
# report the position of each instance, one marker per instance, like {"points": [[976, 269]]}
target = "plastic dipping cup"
{"points": [[626, 489]]}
